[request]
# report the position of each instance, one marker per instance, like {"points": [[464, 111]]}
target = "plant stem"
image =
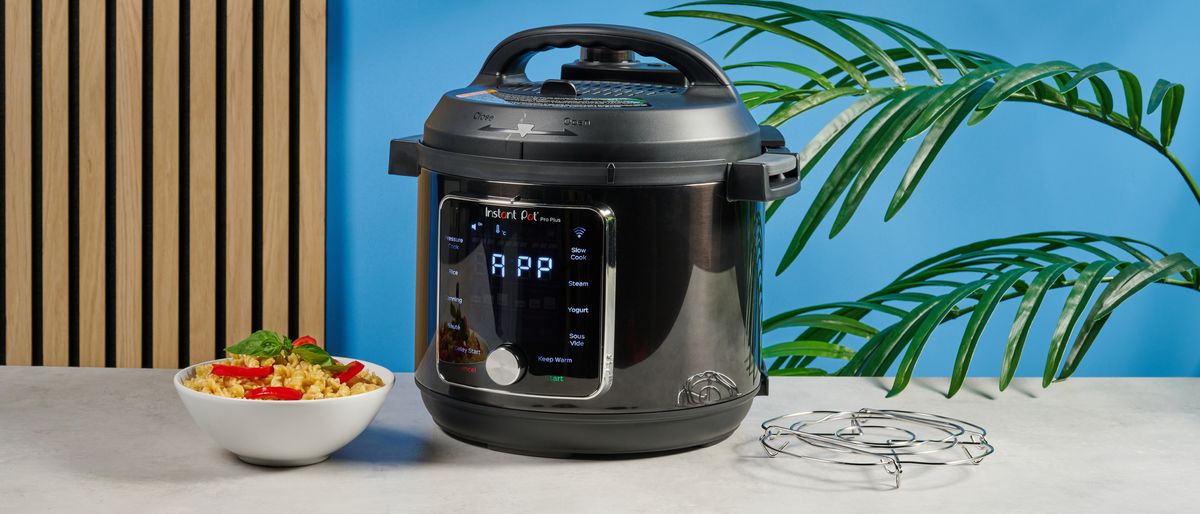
{"points": [[955, 314], [1183, 172], [1140, 134], [1065, 283]]}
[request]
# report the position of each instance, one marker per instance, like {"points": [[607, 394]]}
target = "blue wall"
{"points": [[1025, 169]]}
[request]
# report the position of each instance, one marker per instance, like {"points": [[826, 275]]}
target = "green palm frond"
{"points": [[979, 84], [895, 323]]}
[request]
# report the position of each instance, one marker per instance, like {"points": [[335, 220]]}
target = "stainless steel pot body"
{"points": [[684, 304]]}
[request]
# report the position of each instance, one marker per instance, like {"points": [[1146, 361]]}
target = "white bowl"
{"points": [[284, 433]]}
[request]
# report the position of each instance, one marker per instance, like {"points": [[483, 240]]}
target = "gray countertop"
{"points": [[111, 440]]}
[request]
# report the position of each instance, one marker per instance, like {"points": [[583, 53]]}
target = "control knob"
{"points": [[504, 366]]}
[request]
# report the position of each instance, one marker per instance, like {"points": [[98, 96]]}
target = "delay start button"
{"points": [[504, 366]]}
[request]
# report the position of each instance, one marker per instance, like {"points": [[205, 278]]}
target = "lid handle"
{"points": [[508, 59]]}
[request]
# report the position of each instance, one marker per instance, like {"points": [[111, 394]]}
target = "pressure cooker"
{"points": [[589, 247]]}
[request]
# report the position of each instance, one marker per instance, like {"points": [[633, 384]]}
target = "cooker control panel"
{"points": [[522, 291]]}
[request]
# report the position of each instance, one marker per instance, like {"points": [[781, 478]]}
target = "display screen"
{"points": [[531, 277]]}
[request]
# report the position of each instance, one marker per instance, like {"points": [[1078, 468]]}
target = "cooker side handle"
{"points": [[403, 159], [507, 61], [770, 176]]}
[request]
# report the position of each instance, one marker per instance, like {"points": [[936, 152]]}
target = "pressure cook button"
{"points": [[504, 366]]}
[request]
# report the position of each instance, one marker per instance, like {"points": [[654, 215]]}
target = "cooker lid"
{"points": [[608, 120], [606, 106]]}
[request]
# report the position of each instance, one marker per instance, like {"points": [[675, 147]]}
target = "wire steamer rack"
{"points": [[887, 438]]}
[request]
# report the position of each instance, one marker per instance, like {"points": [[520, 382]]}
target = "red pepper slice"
{"points": [[273, 393], [303, 341], [225, 370], [352, 371]]}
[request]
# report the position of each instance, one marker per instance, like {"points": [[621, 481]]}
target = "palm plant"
{"points": [[972, 279]]}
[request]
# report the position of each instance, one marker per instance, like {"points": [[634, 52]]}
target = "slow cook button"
{"points": [[578, 254]]}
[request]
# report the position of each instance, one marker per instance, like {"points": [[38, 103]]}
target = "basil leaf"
{"points": [[261, 344], [313, 354]]}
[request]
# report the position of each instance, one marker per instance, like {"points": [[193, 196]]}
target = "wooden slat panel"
{"points": [[129, 183], [92, 299], [18, 116], [120, 198], [312, 169], [275, 165], [55, 183], [203, 184], [165, 323], [239, 184]]}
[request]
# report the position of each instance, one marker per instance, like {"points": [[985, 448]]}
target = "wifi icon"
{"points": [[579, 232]]}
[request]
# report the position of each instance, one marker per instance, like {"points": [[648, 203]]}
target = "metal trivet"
{"points": [[871, 437]]}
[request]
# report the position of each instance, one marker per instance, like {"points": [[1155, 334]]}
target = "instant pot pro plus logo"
{"points": [[518, 214]]}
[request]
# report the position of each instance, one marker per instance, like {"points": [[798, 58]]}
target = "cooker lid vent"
{"points": [[598, 88]]}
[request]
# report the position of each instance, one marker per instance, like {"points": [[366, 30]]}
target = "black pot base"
{"points": [[622, 435]]}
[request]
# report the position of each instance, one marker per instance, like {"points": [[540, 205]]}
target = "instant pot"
{"points": [[589, 248]]}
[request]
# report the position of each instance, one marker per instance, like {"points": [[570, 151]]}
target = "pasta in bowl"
{"points": [[278, 402], [309, 381]]}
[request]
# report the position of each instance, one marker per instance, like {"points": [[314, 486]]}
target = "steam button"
{"points": [[504, 366]]}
